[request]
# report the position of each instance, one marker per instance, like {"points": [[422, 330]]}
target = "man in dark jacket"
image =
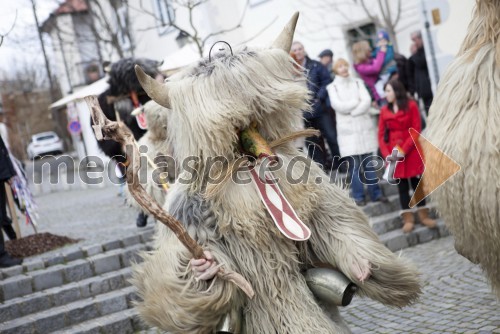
{"points": [[402, 72], [326, 59], [418, 74], [6, 173], [317, 80]]}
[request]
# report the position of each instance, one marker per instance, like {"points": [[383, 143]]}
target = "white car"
{"points": [[44, 143]]}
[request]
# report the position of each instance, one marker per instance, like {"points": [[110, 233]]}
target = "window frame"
{"points": [[162, 7]]}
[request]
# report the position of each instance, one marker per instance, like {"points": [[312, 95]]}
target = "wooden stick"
{"points": [[12, 210], [163, 181], [117, 131]]}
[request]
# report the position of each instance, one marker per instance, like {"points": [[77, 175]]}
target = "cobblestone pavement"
{"points": [[456, 298]]}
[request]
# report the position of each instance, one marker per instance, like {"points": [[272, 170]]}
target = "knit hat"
{"points": [[382, 34], [326, 52]]}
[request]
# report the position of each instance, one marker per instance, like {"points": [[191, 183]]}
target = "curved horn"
{"points": [[285, 38], [155, 90]]}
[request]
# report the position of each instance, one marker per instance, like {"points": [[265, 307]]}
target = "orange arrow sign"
{"points": [[439, 167]]}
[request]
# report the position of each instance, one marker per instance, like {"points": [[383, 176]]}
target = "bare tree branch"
{"points": [[191, 32], [386, 18], [223, 31], [398, 15], [386, 12], [371, 17], [259, 32], [2, 36], [191, 7]]}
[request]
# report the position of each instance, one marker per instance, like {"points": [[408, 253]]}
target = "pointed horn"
{"points": [[284, 40], [155, 90]]}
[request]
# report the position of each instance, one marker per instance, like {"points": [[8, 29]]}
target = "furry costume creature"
{"points": [[464, 122], [122, 81], [157, 151], [209, 101], [125, 93]]}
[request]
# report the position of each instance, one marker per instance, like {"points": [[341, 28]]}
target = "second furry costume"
{"points": [[464, 122], [157, 152], [210, 101], [124, 95]]}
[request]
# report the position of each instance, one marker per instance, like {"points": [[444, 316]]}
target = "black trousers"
{"points": [[325, 125], [3, 214], [427, 103], [404, 192]]}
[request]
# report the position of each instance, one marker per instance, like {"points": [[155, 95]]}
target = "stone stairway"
{"points": [[80, 290], [85, 289], [385, 221]]}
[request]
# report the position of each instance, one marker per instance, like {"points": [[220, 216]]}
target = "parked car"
{"points": [[44, 143]]}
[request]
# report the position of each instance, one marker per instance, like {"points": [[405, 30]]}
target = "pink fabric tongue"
{"points": [[141, 120], [281, 211]]}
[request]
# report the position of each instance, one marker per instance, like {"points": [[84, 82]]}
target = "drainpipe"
{"points": [[431, 43]]}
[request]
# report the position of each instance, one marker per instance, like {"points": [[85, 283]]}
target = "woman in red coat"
{"points": [[396, 118]]}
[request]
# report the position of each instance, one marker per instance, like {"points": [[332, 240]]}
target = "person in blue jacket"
{"points": [[389, 68], [318, 78]]}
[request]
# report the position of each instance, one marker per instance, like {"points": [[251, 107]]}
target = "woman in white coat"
{"points": [[356, 131]]}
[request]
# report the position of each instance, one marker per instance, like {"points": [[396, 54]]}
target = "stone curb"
{"points": [[62, 295], [396, 240], [75, 253], [124, 322], [50, 320], [74, 271]]}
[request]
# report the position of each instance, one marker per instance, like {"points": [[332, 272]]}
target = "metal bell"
{"points": [[330, 286], [230, 323]]}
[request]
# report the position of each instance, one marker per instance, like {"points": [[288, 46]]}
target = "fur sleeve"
{"points": [[342, 237], [170, 297]]}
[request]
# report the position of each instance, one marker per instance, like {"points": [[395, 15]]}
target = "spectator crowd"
{"points": [[364, 112]]}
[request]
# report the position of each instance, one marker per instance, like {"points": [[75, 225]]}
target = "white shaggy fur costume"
{"points": [[209, 101], [155, 139], [464, 122]]}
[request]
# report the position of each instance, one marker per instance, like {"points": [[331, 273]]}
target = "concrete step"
{"points": [[75, 252], [65, 294], [74, 271], [386, 222], [396, 240], [123, 322], [392, 221], [57, 318], [373, 209], [388, 189]]}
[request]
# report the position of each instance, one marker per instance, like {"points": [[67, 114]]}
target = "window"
{"points": [[165, 14], [123, 37], [362, 33], [92, 73]]}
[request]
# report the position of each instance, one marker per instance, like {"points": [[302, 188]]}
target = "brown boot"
{"points": [[423, 216], [408, 221]]}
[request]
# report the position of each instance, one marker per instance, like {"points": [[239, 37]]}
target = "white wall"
{"points": [[322, 24], [148, 38], [446, 35], [63, 40]]}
